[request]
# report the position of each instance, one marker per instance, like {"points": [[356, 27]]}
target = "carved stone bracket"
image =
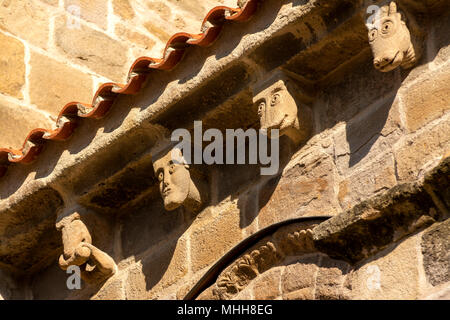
{"points": [[179, 184], [390, 39], [95, 264], [289, 241], [283, 105]]}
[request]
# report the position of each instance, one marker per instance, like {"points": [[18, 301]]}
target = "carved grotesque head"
{"points": [[277, 107], [176, 185], [390, 39], [95, 264], [74, 232]]}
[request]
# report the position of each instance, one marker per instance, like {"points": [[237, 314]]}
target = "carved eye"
{"points": [[387, 27], [160, 176], [373, 34], [261, 107], [171, 168], [275, 99]]}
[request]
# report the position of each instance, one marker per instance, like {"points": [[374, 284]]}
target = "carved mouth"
{"points": [[391, 65], [166, 191]]}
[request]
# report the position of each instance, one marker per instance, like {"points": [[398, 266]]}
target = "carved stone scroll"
{"points": [[291, 240], [95, 264], [390, 39]]}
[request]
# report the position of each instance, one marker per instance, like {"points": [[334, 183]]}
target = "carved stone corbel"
{"points": [[390, 39], [283, 105], [179, 184], [95, 264]]}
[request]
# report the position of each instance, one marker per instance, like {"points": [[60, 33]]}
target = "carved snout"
{"points": [[80, 255]]}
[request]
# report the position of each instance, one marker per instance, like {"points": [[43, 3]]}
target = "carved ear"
{"points": [[392, 8]]}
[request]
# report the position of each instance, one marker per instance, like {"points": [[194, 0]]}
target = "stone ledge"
{"points": [[372, 225]]}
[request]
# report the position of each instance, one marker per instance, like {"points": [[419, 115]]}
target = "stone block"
{"points": [[441, 40], [330, 279], [124, 9], [51, 2], [193, 7], [427, 99], [376, 176], [94, 49], [300, 275], [302, 294], [92, 11], [51, 284], [267, 285], [134, 37], [50, 91], [306, 189], [248, 206], [157, 30], [435, 246], [157, 271], [391, 274], [422, 150], [359, 87], [212, 238], [113, 289], [147, 226], [437, 182], [163, 10], [233, 177], [367, 135], [27, 19], [17, 121], [12, 64], [246, 294]]}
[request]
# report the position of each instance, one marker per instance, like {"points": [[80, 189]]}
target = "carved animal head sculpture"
{"points": [[78, 250], [178, 185], [390, 39], [278, 109]]}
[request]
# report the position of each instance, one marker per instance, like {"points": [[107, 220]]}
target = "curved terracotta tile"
{"points": [[132, 87], [206, 37], [65, 128], [218, 14], [246, 12], [171, 58]]}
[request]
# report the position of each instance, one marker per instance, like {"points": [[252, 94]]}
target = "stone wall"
{"points": [[58, 51], [373, 131]]}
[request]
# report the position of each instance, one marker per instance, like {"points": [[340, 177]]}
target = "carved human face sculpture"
{"points": [[277, 109], [174, 180], [390, 40]]}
